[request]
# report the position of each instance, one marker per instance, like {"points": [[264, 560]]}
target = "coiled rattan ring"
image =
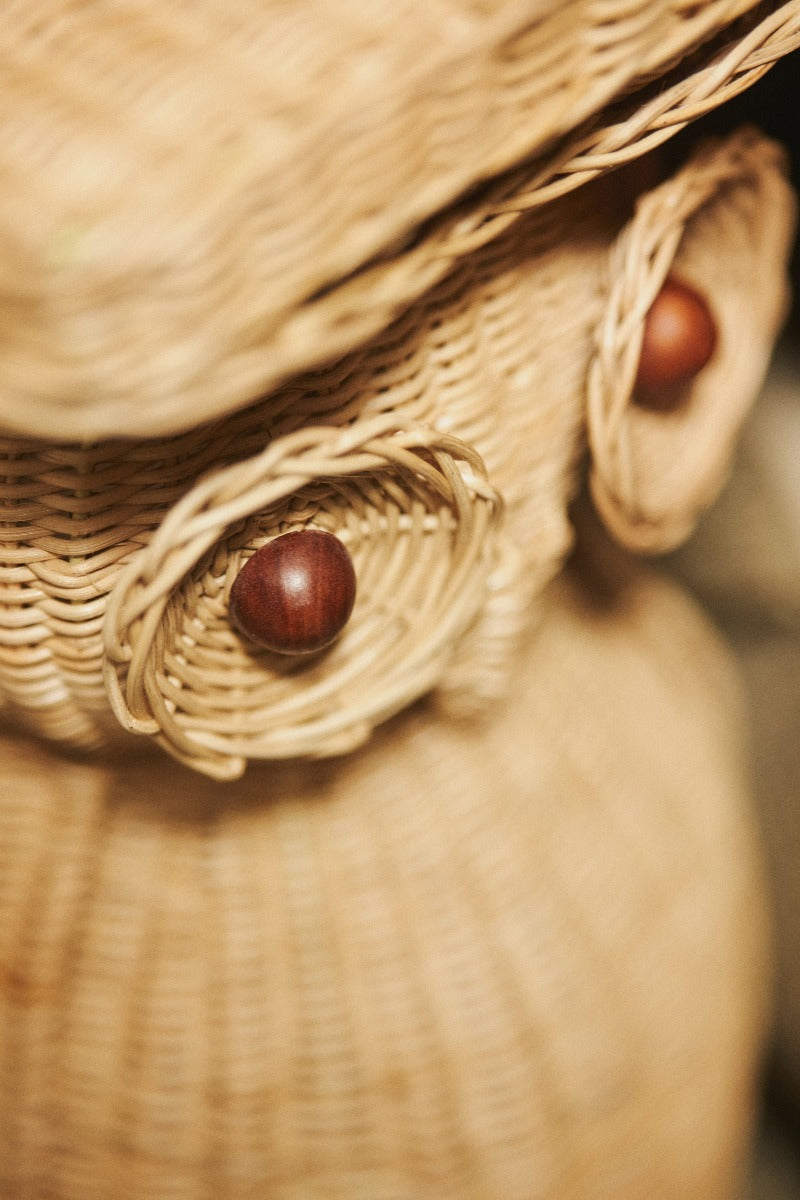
{"points": [[420, 520], [720, 224]]}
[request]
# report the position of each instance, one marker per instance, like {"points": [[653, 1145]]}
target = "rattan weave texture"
{"points": [[123, 553], [376, 268], [445, 453], [419, 518], [151, 278], [530, 963], [721, 225]]}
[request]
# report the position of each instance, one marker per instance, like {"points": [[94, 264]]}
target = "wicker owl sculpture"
{"points": [[352, 845]]}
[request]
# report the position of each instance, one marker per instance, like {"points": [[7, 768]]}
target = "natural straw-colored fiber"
{"points": [[200, 200], [419, 518], [720, 226], [444, 453], [525, 964], [372, 267], [119, 557]]}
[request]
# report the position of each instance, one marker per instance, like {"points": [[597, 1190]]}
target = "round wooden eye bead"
{"points": [[680, 337], [295, 595]]}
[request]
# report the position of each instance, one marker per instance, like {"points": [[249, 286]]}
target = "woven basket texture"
{"points": [[380, 248], [531, 963], [152, 275], [716, 227], [444, 453]]}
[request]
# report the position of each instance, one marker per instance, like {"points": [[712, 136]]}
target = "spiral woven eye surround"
{"points": [[722, 224], [420, 520]]}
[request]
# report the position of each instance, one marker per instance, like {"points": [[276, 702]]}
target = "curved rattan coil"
{"points": [[420, 520], [723, 224]]}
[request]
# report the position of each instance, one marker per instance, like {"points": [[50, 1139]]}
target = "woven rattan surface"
{"points": [[444, 453], [124, 553], [188, 189], [469, 968], [380, 247], [721, 226]]}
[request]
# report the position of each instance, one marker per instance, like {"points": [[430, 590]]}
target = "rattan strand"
{"points": [[162, 316], [722, 224]]}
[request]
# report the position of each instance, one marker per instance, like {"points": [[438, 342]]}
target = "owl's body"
{"points": [[530, 963]]}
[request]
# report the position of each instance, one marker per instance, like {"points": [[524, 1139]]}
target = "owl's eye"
{"points": [[669, 385], [258, 563], [295, 595]]}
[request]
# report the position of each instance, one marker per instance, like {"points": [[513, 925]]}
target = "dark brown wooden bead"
{"points": [[680, 337], [295, 595]]}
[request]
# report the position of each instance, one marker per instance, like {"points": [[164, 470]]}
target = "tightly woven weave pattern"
{"points": [[269, 264], [445, 453], [721, 226], [467, 373], [419, 532], [530, 963], [151, 277]]}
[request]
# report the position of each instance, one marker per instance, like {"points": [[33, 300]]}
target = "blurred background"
{"points": [[744, 565]]}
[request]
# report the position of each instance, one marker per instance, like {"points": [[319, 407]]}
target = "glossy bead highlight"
{"points": [[295, 595], [680, 337]]}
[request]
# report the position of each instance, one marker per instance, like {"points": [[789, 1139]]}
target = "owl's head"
{"points": [[254, 336]]}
